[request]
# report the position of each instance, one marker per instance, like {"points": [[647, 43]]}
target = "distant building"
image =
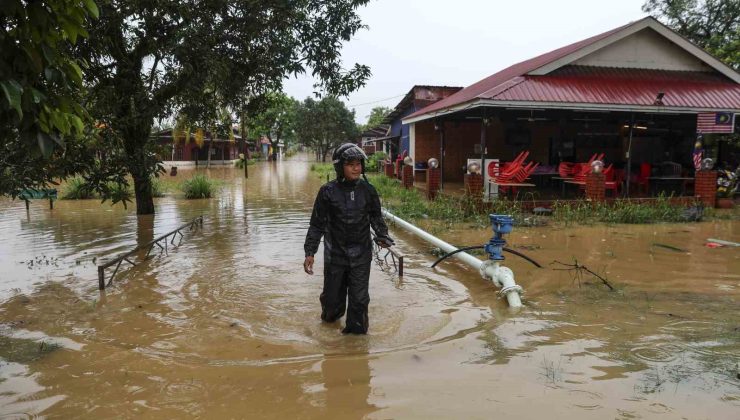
{"points": [[223, 150]]}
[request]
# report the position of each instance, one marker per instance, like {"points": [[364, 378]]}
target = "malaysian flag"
{"points": [[715, 122], [697, 155]]}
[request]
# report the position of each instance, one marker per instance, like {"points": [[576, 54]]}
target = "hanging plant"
{"points": [[199, 137]]}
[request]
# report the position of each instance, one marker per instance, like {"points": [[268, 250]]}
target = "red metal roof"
{"points": [[596, 85], [475, 90], [599, 85]]}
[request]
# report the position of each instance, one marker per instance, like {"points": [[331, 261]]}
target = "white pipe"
{"points": [[500, 276]]}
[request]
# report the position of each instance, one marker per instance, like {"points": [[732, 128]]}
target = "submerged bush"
{"points": [[157, 187], [199, 186], [239, 163], [77, 189]]}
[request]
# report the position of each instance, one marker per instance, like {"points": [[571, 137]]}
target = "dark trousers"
{"points": [[341, 282]]}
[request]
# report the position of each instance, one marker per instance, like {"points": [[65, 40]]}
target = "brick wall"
{"points": [[462, 137], [595, 187], [433, 177], [407, 179], [705, 188], [388, 169]]}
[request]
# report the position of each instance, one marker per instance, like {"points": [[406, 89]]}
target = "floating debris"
{"points": [[670, 247]]}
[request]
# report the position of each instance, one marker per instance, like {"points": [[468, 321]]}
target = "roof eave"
{"points": [[575, 106]]}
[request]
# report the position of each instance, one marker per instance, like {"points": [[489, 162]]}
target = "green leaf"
{"points": [[77, 123], [77, 76], [92, 8], [46, 144], [37, 96], [13, 92]]}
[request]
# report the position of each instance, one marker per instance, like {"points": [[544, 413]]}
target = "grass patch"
{"points": [[199, 186], [77, 189], [660, 210], [412, 205], [325, 171]]}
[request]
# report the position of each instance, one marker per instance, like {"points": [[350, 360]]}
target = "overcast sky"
{"points": [[458, 42]]}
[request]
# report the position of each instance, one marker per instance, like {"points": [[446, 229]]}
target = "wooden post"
{"points": [[101, 277]]}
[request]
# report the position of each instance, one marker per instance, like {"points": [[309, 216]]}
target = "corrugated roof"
{"points": [[599, 85], [619, 86], [491, 82]]}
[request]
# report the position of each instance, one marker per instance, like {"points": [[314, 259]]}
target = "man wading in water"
{"points": [[343, 212]]}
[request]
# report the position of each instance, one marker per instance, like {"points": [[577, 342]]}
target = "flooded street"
{"points": [[227, 325]]}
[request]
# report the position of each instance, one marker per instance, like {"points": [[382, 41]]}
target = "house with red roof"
{"points": [[633, 94]]}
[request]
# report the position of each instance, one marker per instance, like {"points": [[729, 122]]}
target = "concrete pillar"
{"points": [[434, 177], [705, 187], [407, 179], [595, 187]]}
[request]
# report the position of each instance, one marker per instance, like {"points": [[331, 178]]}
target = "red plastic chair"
{"points": [[642, 179]]}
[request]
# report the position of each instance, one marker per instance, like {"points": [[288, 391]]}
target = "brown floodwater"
{"points": [[227, 324]]}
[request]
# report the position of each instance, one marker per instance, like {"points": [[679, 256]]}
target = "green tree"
{"points": [[42, 122], [275, 119], [323, 125], [148, 59], [711, 24], [377, 115]]}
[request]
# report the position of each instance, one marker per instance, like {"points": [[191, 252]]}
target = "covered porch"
{"points": [[637, 98]]}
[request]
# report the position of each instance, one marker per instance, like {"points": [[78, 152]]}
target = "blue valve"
{"points": [[501, 224]]}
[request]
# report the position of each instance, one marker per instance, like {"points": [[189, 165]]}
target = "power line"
{"points": [[375, 102]]}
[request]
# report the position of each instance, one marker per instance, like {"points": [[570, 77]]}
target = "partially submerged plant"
{"points": [[199, 186]]}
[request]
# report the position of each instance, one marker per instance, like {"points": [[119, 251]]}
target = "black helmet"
{"points": [[344, 153]]}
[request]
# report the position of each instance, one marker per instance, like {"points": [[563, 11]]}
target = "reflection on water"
{"points": [[227, 324]]}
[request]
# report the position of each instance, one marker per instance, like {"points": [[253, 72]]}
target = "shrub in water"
{"points": [[77, 189], [198, 186], [157, 187]]}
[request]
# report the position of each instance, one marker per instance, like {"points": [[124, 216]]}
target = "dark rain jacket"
{"points": [[343, 213]]}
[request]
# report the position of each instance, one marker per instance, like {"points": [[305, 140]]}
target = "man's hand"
{"points": [[384, 242], [308, 265]]}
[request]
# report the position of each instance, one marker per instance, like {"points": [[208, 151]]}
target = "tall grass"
{"points": [[619, 211], [199, 186], [77, 189], [411, 204]]}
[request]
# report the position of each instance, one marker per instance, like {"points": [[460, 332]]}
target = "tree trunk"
{"points": [[143, 191], [208, 158], [274, 149]]}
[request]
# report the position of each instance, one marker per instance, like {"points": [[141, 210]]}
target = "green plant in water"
{"points": [[323, 169], [239, 163], [199, 186], [157, 187], [119, 192], [77, 189]]}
